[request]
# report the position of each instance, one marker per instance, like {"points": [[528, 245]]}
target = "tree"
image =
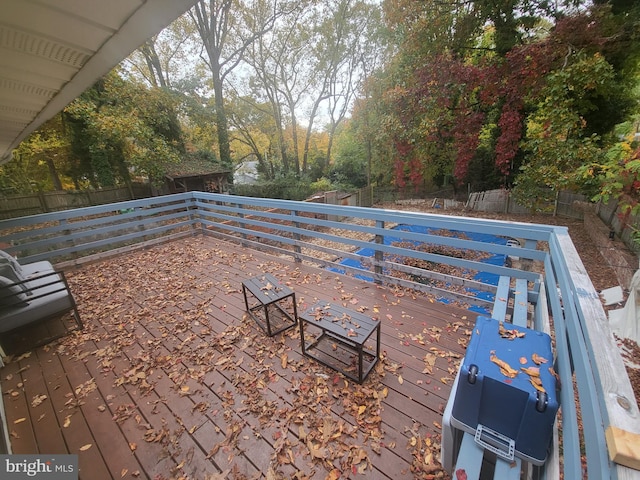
{"points": [[119, 127], [166, 59], [557, 138], [46, 152], [253, 128], [350, 167], [485, 83], [227, 28], [276, 81]]}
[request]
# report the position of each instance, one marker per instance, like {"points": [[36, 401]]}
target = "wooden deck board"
{"points": [[173, 357]]}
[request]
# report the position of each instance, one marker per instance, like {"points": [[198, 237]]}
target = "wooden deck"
{"points": [[170, 378]]}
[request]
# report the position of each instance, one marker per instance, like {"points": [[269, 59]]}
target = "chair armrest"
{"points": [[33, 287]]}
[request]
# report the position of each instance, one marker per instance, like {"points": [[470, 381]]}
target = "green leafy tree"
{"points": [[40, 161], [350, 167], [119, 129], [557, 140]]}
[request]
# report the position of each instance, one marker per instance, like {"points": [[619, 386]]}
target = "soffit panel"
{"points": [[53, 50], [108, 13], [55, 25]]}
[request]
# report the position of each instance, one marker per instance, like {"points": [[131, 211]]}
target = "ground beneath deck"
{"points": [[170, 379]]}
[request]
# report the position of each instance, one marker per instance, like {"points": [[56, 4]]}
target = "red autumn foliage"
{"points": [[459, 96]]}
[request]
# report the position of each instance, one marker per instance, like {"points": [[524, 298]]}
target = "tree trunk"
{"points": [[55, 178], [221, 119]]}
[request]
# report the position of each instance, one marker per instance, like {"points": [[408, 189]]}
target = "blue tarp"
{"points": [[484, 277]]}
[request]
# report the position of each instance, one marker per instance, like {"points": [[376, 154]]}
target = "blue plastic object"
{"points": [[508, 415]]}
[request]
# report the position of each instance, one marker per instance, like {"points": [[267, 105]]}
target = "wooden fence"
{"points": [[44, 202], [501, 201]]}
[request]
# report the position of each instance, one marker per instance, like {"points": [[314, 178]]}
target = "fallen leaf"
{"points": [[67, 421], [19, 420], [429, 362], [537, 359], [316, 451], [85, 447], [334, 474], [537, 384], [37, 400], [531, 371], [505, 368], [428, 458], [461, 474], [509, 334]]}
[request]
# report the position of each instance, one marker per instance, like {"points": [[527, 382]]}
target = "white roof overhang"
{"points": [[53, 50]]}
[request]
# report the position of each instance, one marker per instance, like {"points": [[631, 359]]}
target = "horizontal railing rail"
{"points": [[454, 258]]}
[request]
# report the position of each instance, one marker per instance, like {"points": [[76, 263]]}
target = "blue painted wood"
{"points": [[494, 227], [570, 435], [106, 242], [72, 233], [502, 298], [469, 458], [404, 235], [507, 470], [520, 303], [252, 219], [567, 322], [90, 211]]}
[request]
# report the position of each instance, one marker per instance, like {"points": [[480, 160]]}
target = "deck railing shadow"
{"points": [[465, 259]]}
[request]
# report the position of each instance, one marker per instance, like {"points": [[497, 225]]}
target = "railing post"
{"points": [[189, 209], [296, 237], [242, 225], [140, 220], [378, 255], [68, 239], [43, 202]]}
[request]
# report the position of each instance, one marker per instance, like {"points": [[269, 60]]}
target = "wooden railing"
{"points": [[559, 291]]}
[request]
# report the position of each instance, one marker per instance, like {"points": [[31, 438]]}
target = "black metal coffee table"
{"points": [[341, 339], [271, 304]]}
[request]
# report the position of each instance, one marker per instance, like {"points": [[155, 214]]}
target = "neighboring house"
{"points": [[246, 173], [197, 175]]}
